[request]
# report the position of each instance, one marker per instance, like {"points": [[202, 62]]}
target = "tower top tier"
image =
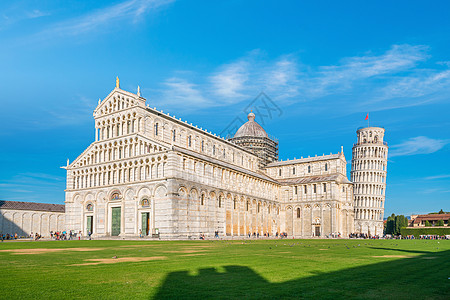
{"points": [[370, 135]]}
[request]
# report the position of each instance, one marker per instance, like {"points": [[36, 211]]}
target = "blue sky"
{"points": [[325, 64]]}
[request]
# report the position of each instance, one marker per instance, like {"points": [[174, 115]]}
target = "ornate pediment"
{"points": [[118, 100], [114, 150]]}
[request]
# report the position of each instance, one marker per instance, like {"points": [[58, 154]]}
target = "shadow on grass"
{"points": [[424, 276], [401, 250]]}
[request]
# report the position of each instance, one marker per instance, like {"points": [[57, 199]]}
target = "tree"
{"points": [[395, 223], [390, 224], [440, 222], [427, 224], [441, 211], [400, 222]]}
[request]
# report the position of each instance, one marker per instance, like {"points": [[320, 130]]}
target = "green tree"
{"points": [[440, 223], [441, 211], [390, 224], [395, 223], [427, 224], [400, 221]]}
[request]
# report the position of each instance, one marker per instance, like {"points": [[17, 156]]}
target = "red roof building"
{"points": [[419, 220]]}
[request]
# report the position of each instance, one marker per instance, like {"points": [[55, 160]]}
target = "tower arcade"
{"points": [[368, 173]]}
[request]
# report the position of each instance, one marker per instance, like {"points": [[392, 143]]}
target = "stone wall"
{"points": [[25, 222]]}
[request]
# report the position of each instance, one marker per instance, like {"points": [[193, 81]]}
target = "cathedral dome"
{"points": [[251, 128]]}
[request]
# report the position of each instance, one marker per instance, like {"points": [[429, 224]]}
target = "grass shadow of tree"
{"points": [[416, 277]]}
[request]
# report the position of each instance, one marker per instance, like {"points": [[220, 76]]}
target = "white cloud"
{"points": [[282, 78], [230, 81], [36, 13], [128, 10], [444, 176], [418, 145], [388, 80], [179, 90], [435, 191], [31, 187], [17, 13], [355, 69]]}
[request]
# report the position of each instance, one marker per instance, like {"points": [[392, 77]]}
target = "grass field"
{"points": [[320, 269]]}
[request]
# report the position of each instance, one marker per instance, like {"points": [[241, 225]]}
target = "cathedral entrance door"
{"points": [[317, 233], [115, 220], [89, 224], [145, 223]]}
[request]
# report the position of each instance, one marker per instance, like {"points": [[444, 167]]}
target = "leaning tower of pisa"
{"points": [[368, 173]]}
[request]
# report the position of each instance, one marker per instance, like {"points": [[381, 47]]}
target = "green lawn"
{"points": [[393, 269]]}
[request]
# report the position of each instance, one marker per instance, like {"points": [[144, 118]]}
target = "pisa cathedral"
{"points": [[150, 172]]}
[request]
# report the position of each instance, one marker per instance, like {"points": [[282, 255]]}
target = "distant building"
{"points": [[25, 218], [419, 220]]}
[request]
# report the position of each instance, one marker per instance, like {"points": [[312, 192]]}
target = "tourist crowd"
{"points": [[15, 236], [68, 235], [57, 235]]}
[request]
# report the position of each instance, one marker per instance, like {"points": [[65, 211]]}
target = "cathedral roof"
{"points": [[303, 160], [259, 175], [251, 128], [313, 179]]}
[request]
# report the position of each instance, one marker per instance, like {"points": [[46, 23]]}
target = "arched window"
{"points": [[326, 167], [156, 128], [145, 203], [220, 201], [174, 134], [247, 206], [259, 207], [295, 190], [202, 200], [90, 207], [279, 172], [293, 170], [298, 213], [203, 146], [214, 149], [189, 141], [234, 204], [324, 187], [309, 169]]}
